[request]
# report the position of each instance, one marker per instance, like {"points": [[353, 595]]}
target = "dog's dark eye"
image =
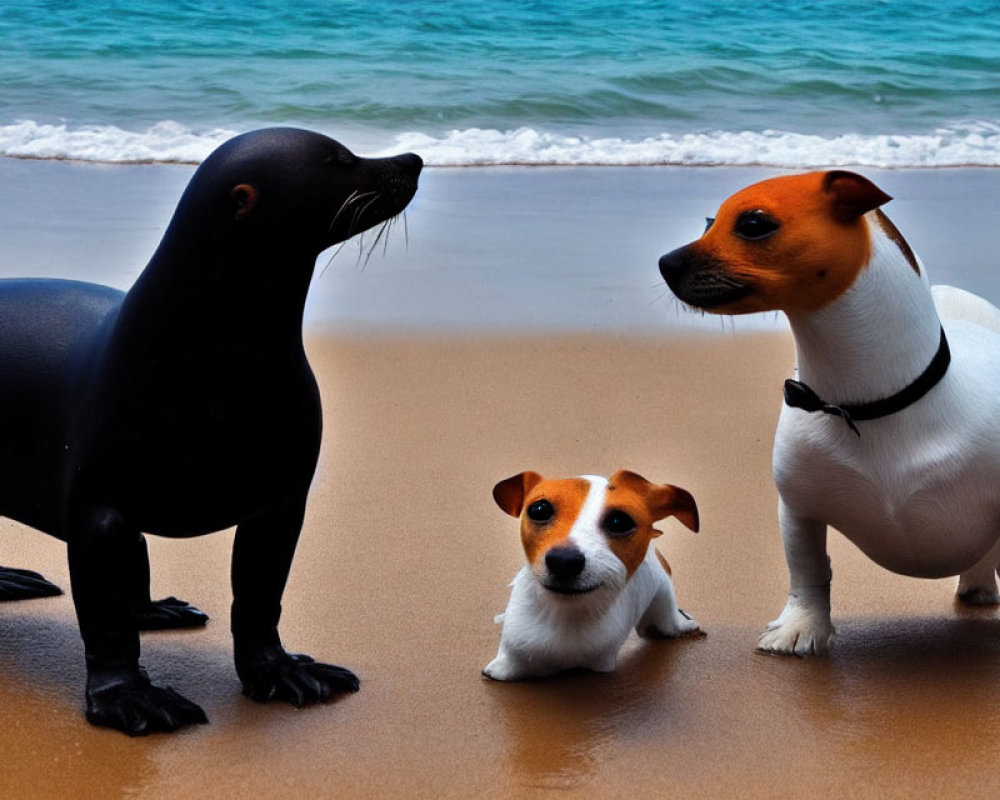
{"points": [[755, 225], [708, 223], [541, 511], [617, 523]]}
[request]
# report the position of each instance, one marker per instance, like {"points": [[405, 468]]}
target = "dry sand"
{"points": [[404, 561]]}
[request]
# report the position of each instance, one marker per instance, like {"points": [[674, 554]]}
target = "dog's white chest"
{"points": [[919, 493], [575, 632]]}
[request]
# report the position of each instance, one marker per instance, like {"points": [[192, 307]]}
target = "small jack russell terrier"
{"points": [[592, 574], [891, 432]]}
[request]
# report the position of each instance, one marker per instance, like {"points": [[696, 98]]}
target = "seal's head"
{"points": [[295, 188]]}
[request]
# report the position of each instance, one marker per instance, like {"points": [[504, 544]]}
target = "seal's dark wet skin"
{"points": [[184, 407]]}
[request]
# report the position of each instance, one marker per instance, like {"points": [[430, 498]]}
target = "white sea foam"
{"points": [[967, 143], [166, 141], [973, 143]]}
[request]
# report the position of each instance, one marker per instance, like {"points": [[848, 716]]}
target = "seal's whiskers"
{"points": [[365, 251], [359, 213], [352, 198], [382, 229]]}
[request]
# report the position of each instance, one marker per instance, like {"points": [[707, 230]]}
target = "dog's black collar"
{"points": [[798, 395]]}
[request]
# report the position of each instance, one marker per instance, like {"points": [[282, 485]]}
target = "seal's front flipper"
{"points": [[168, 614], [262, 555], [23, 584], [273, 674], [125, 700]]}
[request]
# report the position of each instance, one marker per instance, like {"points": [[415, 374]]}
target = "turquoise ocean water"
{"points": [[893, 84]]}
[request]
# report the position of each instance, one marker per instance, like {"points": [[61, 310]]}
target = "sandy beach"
{"points": [[519, 325]]}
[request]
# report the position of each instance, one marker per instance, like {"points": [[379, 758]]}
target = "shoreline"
{"points": [[168, 162]]}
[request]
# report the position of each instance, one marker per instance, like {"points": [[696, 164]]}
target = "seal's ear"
{"points": [[852, 194], [663, 500], [510, 492], [245, 197]]}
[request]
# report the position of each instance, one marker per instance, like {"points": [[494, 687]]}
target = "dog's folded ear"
{"points": [[510, 492], [852, 194], [662, 500], [673, 500]]}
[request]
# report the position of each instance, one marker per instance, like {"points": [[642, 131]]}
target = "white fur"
{"points": [[545, 632], [919, 491], [954, 303]]}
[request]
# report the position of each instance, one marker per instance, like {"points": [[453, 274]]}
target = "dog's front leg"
{"points": [[804, 627], [507, 666], [262, 558]]}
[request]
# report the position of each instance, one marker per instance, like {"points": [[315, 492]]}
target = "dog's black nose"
{"points": [[672, 263], [565, 563]]}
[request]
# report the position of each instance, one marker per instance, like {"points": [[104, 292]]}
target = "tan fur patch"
{"points": [[567, 497], [631, 550], [811, 261], [893, 233]]}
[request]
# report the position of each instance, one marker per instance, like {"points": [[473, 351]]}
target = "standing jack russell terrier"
{"points": [[592, 574], [891, 434]]}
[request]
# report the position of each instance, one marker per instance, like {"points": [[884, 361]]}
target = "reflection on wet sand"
{"points": [[404, 562], [562, 729]]}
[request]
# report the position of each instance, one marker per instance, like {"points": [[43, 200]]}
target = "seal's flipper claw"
{"points": [[23, 584], [169, 614], [296, 679], [136, 707]]}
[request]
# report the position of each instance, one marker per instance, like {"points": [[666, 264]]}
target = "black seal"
{"points": [[183, 407]]}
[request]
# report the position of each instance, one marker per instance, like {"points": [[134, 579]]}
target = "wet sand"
{"points": [[404, 561]]}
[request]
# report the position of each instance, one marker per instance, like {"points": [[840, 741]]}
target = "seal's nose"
{"points": [[409, 162], [565, 563]]}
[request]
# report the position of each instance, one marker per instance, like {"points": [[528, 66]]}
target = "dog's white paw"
{"points": [[803, 629], [502, 668], [686, 625], [794, 639], [679, 623]]}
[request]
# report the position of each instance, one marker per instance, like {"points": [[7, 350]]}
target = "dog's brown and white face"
{"points": [[792, 243], [582, 534]]}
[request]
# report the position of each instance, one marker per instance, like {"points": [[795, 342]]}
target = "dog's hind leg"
{"points": [[978, 586], [663, 619], [954, 303]]}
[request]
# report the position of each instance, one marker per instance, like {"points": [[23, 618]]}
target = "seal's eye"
{"points": [[617, 523], [708, 223], [755, 225], [343, 157], [541, 511]]}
